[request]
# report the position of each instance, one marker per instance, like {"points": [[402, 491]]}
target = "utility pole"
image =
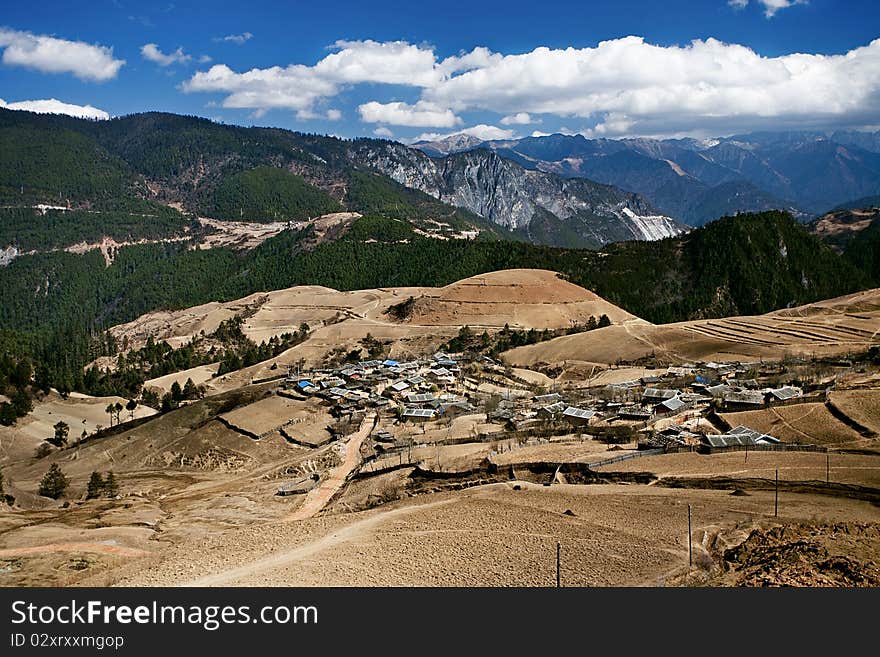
{"points": [[690, 540], [827, 468], [776, 498], [558, 561]]}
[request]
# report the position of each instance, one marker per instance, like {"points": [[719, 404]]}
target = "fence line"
{"points": [[804, 399], [783, 447], [626, 457]]}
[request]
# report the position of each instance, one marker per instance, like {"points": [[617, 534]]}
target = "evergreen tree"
{"points": [[130, 406], [21, 402], [176, 392], [7, 414], [62, 432], [54, 484], [111, 487], [168, 403], [150, 398], [95, 486], [190, 391]]}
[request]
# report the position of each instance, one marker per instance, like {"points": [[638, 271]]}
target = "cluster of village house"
{"points": [[424, 389], [427, 389]]}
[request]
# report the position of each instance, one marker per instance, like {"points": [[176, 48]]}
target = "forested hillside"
{"points": [[133, 165], [269, 194], [855, 234], [55, 307], [115, 178], [28, 228], [53, 164], [265, 174]]}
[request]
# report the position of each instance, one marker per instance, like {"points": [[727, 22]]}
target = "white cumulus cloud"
{"points": [[390, 62], [299, 86], [54, 106], [479, 57], [650, 89], [53, 55], [382, 131], [151, 52], [294, 87], [420, 115], [520, 118], [309, 115], [619, 86]]}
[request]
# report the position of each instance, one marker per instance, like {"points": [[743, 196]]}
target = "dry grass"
{"points": [[801, 423], [301, 418], [531, 298], [489, 536], [832, 327], [199, 375], [863, 470], [863, 406]]}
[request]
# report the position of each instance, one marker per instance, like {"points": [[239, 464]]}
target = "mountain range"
{"points": [[263, 174], [102, 221], [696, 181]]}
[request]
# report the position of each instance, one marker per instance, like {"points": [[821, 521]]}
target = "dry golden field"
{"points": [[810, 424]]}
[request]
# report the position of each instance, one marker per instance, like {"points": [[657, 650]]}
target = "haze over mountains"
{"points": [[696, 181]]}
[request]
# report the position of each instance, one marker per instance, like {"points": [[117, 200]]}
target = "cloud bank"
{"points": [[48, 54], [619, 87]]}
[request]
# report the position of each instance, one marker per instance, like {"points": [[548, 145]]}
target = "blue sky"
{"points": [[409, 69]]}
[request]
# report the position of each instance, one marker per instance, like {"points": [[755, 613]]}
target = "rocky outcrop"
{"points": [[513, 197]]}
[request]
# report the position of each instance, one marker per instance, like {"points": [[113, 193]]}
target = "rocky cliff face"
{"points": [[571, 212], [695, 181]]}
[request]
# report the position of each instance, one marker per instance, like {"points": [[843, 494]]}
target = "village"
{"points": [[478, 414], [456, 399]]}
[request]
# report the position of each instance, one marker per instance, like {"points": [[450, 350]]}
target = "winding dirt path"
{"points": [[321, 494], [285, 558]]}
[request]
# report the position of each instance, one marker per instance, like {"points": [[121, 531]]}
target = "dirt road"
{"points": [[319, 496], [286, 557]]}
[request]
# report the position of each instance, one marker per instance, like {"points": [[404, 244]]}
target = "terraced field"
{"points": [[772, 330], [834, 327]]}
